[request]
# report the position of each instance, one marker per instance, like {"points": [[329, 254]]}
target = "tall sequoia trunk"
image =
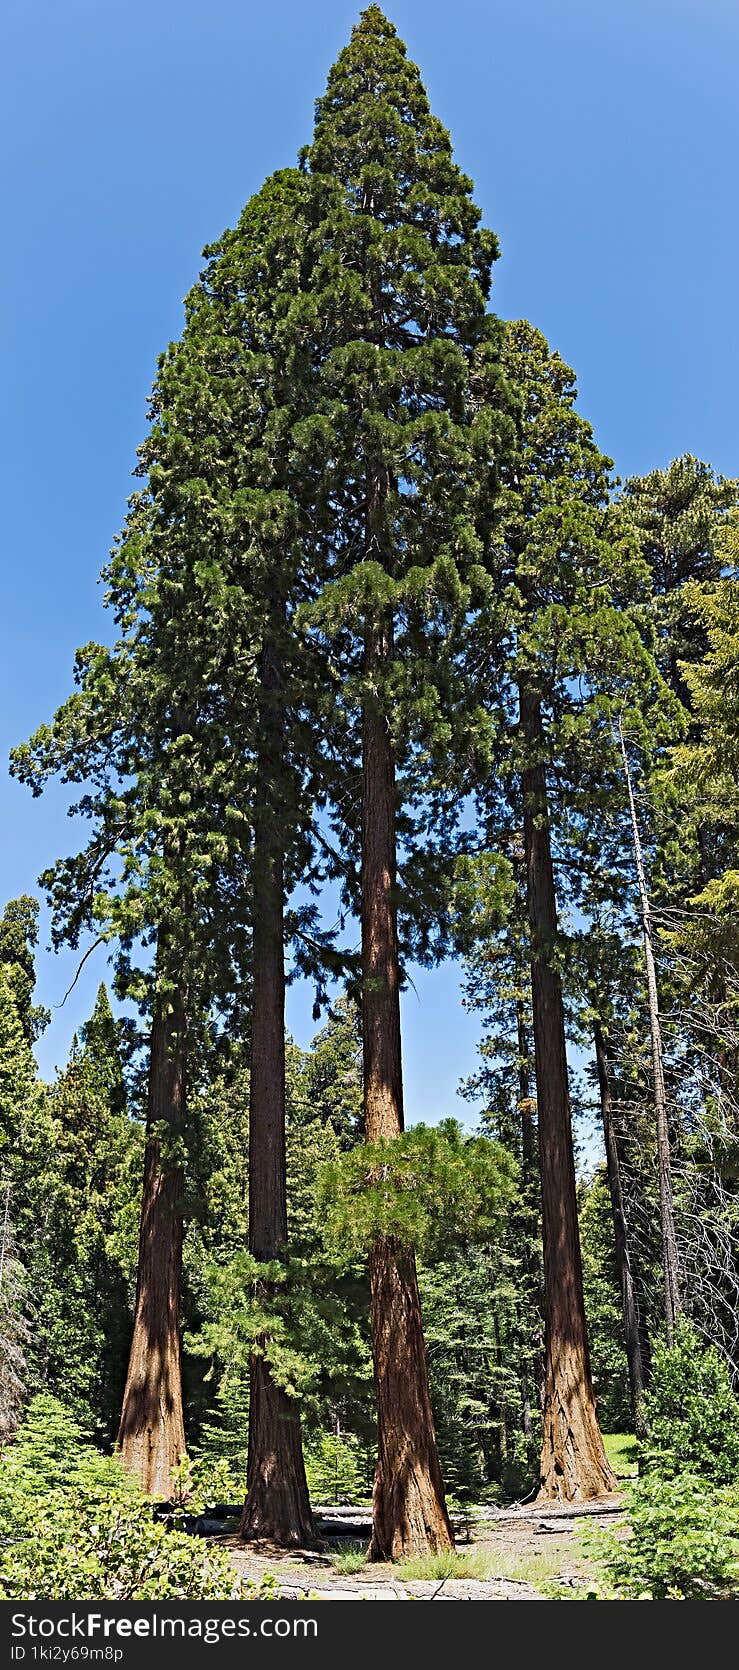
{"points": [[664, 1162], [409, 1513], [530, 1220], [629, 1305], [573, 1460], [277, 1506], [526, 1103], [151, 1435]]}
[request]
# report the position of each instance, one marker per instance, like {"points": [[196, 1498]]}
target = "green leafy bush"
{"points": [[680, 1543], [692, 1413], [199, 1483], [74, 1526], [81, 1548]]}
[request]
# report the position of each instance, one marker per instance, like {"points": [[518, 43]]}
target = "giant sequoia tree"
{"points": [[151, 734], [414, 447], [561, 650], [248, 354], [207, 579], [327, 414], [133, 735], [372, 574]]}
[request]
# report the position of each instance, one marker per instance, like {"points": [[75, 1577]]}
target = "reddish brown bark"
{"points": [[277, 1506], [409, 1513], [531, 1378], [573, 1461], [151, 1435], [526, 1104]]}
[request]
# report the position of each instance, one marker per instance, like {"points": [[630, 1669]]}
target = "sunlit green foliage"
{"points": [[433, 1187]]}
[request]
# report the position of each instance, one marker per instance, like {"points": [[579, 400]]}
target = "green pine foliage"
{"points": [[18, 941], [14, 1325], [706, 765], [684, 519], [331, 1080], [413, 401], [482, 1373], [29, 1185], [52, 1455], [92, 1240], [692, 1412], [316, 1315], [338, 1468], [431, 1188]]}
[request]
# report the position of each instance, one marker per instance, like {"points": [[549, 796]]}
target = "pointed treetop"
{"points": [[100, 1040], [372, 21], [375, 132]]}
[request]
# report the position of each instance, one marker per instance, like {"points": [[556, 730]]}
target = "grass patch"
{"points": [[622, 1451], [527, 1568], [433, 1568], [350, 1559], [482, 1565]]}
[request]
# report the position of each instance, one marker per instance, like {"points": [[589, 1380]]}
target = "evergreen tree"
{"points": [[331, 1081], [494, 943], [18, 941], [684, 521], [136, 735], [195, 732], [682, 518], [244, 369], [610, 965], [29, 1181], [316, 1312], [415, 442], [566, 657], [604, 1307]]}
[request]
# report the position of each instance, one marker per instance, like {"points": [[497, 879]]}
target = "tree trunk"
{"points": [[409, 1513], [277, 1507], [573, 1460], [664, 1162], [151, 1435], [532, 1347], [526, 1103], [632, 1329]]}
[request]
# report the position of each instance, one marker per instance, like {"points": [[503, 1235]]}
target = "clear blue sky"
{"points": [[603, 140]]}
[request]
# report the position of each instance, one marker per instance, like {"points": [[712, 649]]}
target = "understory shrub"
{"points": [[74, 1526], [681, 1539], [81, 1548], [692, 1412], [200, 1483], [680, 1544]]}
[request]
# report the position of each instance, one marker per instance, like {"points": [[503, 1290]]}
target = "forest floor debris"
{"points": [[513, 1553]]}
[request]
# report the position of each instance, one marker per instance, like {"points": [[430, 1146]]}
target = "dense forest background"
{"points": [[404, 672]]}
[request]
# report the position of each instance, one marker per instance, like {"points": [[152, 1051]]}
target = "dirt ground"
{"points": [[521, 1548]]}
